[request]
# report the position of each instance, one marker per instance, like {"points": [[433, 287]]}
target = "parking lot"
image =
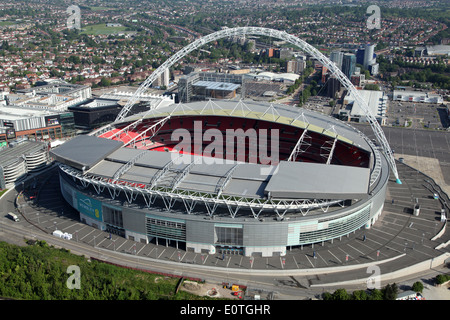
{"points": [[417, 115], [434, 144]]}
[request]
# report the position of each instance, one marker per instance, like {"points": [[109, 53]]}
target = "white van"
{"points": [[13, 216]]}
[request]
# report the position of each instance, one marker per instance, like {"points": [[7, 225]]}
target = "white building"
{"points": [[163, 79], [417, 96], [295, 66], [376, 100], [368, 56], [280, 77], [51, 102]]}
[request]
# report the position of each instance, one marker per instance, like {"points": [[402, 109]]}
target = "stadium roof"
{"points": [[288, 180], [83, 152], [299, 180], [245, 179], [289, 115]]}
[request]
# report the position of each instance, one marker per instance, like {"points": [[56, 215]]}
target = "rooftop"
{"points": [[214, 85], [8, 113], [9, 155], [377, 102]]}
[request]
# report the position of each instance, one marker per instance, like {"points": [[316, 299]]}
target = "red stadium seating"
{"points": [[344, 154]]}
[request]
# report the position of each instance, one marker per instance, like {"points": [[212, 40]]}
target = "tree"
{"points": [[390, 292], [360, 295], [74, 59], [327, 296], [376, 295], [417, 286], [373, 87], [340, 294], [105, 82]]}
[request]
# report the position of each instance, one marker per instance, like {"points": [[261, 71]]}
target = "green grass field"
{"points": [[7, 23], [97, 29], [100, 8]]}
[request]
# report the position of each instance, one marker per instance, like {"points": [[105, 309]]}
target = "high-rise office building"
{"points": [[295, 66], [369, 58], [348, 64], [336, 57], [360, 55]]}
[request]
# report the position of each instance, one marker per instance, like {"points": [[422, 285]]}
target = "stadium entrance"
{"points": [[230, 250]]}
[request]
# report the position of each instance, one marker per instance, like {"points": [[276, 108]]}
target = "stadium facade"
{"points": [[317, 179]]}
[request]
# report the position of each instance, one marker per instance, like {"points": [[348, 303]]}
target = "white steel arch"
{"points": [[282, 35]]}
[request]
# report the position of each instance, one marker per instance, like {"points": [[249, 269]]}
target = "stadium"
{"points": [[239, 177], [128, 179]]}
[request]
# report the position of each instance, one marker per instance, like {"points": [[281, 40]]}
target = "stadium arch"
{"points": [[282, 35]]}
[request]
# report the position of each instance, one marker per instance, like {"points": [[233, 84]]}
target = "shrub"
{"points": [[417, 286], [441, 278], [327, 296]]}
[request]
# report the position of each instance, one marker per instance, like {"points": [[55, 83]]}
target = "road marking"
{"points": [[183, 255], [334, 256], [161, 253], [309, 261], [87, 234], [322, 258], [140, 250], [70, 226], [150, 252], [356, 249], [346, 254], [369, 246], [117, 249], [295, 262], [98, 244], [133, 245]]}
